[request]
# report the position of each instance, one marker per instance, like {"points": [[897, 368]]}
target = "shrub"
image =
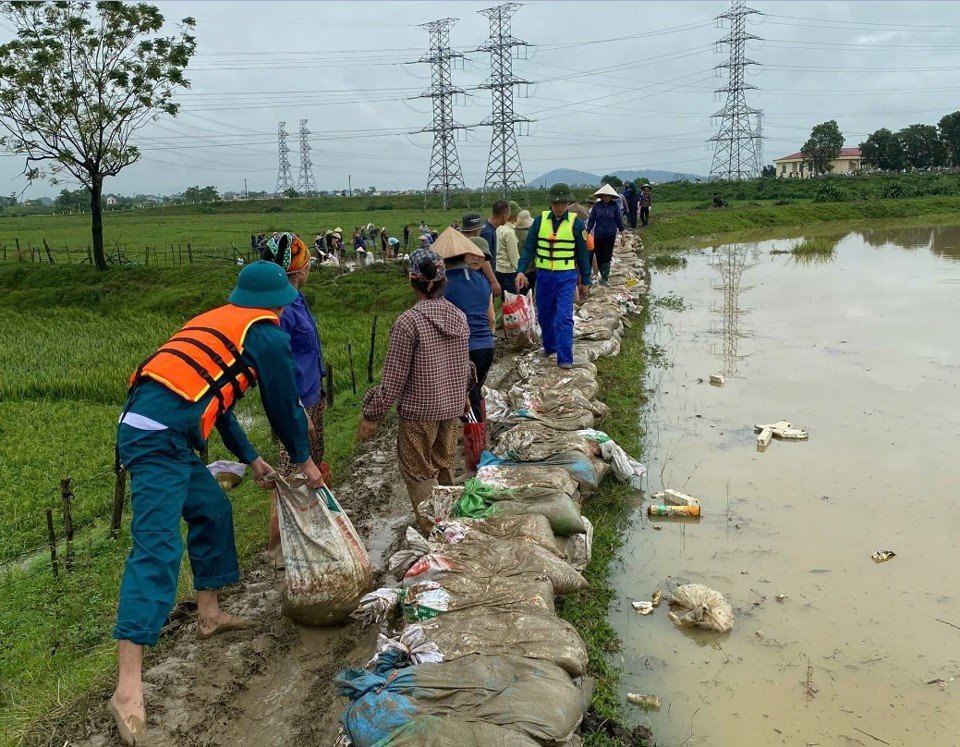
{"points": [[828, 192]]}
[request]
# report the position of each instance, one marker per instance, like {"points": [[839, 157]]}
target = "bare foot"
{"points": [[130, 718], [222, 623]]}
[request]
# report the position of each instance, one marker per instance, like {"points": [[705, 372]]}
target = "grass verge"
{"points": [[620, 379]]}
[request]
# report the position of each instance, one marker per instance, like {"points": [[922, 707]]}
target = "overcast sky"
{"points": [[615, 85]]}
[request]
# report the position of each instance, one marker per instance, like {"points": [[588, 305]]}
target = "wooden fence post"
{"points": [[373, 342], [119, 493], [330, 385], [89, 254], [67, 495], [353, 374], [189, 253], [52, 538], [49, 253]]}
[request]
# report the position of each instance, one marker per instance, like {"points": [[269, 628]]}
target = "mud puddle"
{"points": [[863, 352]]}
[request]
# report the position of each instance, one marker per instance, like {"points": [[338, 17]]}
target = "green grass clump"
{"points": [[608, 509], [820, 246]]}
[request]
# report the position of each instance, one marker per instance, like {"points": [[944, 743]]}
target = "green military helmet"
{"points": [[560, 192], [262, 285]]}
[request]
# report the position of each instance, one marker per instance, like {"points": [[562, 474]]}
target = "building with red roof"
{"points": [[795, 166]]}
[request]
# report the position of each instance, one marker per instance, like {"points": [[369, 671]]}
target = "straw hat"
{"points": [[452, 243], [606, 189], [524, 219]]}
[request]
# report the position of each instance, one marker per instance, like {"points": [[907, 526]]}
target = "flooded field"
{"points": [[863, 351]]}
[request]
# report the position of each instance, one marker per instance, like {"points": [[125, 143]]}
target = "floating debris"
{"points": [[882, 556], [647, 702], [675, 498], [781, 597], [656, 598], [717, 380], [644, 608]]}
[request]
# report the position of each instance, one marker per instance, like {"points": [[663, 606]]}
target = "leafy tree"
{"points": [[10, 201], [76, 199], [950, 136], [768, 171], [922, 147], [79, 81], [640, 181], [291, 193], [824, 145], [883, 150], [614, 181], [200, 194]]}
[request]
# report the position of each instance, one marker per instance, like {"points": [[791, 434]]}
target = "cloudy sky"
{"points": [[614, 85]]}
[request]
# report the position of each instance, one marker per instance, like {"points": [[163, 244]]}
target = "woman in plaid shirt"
{"points": [[427, 374]]}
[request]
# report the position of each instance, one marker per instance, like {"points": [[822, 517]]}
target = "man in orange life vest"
{"points": [[177, 397]]}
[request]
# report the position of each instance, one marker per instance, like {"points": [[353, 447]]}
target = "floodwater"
{"points": [[864, 353]]}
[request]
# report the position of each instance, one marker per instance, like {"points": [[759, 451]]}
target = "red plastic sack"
{"points": [[474, 442], [519, 320]]}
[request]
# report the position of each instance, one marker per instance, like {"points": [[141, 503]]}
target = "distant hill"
{"points": [[574, 177]]}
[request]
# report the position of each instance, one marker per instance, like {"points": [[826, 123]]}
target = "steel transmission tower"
{"points": [[735, 150], [504, 171], [284, 176], [306, 184], [444, 176]]}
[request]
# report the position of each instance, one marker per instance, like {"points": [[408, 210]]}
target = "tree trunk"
{"points": [[96, 209]]}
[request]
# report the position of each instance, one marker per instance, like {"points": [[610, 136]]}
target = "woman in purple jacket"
{"points": [[605, 222], [288, 251]]}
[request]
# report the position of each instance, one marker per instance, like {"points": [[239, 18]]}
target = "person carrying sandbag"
{"points": [[177, 397], [427, 373]]}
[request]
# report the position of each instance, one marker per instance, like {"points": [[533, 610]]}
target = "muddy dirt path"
{"points": [[273, 686]]}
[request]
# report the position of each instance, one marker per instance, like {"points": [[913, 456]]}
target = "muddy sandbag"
{"points": [[525, 527], [434, 731], [534, 366], [696, 605], [532, 442], [503, 559], [566, 378], [578, 548], [577, 464], [532, 633], [327, 568], [529, 489], [598, 349], [532, 697], [562, 410], [453, 592], [595, 329]]}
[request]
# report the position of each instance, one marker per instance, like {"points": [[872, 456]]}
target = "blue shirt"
{"points": [[469, 291], [267, 349], [298, 322], [489, 233], [580, 245], [605, 219]]}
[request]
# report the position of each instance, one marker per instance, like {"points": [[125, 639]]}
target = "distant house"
{"points": [[793, 167]]}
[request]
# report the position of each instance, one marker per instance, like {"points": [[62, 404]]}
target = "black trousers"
{"points": [[482, 359], [644, 216], [603, 249], [633, 217], [507, 280]]}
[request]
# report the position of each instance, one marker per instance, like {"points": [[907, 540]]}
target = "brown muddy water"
{"points": [[863, 352]]}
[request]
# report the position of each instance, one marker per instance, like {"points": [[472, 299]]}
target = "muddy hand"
{"points": [[367, 429], [262, 471]]}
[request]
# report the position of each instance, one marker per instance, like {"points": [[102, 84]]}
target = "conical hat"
{"points": [[452, 243], [606, 189]]}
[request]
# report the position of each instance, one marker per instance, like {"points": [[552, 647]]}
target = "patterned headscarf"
{"points": [[420, 262], [288, 251]]}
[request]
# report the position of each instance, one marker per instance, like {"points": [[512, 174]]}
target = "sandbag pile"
{"points": [[471, 650]]}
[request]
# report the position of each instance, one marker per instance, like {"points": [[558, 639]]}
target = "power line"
{"points": [[735, 151], [444, 175], [504, 170]]}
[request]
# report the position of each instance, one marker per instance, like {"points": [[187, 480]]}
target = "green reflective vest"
{"points": [[556, 251]]}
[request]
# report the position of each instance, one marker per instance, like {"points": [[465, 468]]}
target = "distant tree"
{"points": [[922, 146], [77, 199], [949, 127], [768, 171], [291, 193], [883, 150], [78, 81], [614, 181], [10, 201], [824, 145], [200, 194], [640, 181]]}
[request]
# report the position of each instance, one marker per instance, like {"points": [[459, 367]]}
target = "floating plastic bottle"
{"points": [[673, 510]]}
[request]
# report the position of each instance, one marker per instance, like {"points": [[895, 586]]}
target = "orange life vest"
{"points": [[205, 355]]}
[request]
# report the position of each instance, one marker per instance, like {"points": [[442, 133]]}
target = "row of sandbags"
{"points": [[471, 651]]}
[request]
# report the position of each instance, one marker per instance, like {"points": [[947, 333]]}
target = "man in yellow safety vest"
{"points": [[557, 246]]}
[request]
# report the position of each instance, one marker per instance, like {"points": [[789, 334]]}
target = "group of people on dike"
{"points": [[440, 351]]}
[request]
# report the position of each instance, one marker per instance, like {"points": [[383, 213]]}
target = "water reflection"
{"points": [[944, 241], [730, 261]]}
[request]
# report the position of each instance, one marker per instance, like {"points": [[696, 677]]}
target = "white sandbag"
{"points": [[327, 568], [696, 605]]}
